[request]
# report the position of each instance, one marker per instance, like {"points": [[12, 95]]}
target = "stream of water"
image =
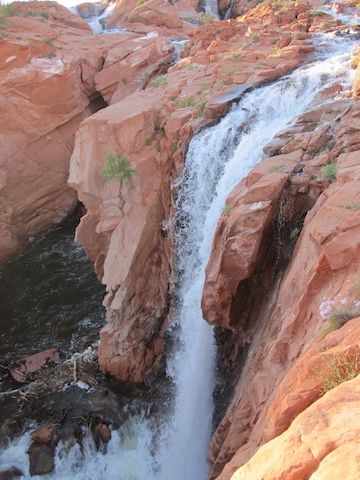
{"points": [[218, 158]]}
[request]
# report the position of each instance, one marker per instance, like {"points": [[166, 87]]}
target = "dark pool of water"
{"points": [[49, 296]]}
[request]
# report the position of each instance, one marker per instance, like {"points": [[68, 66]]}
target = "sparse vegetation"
{"points": [[353, 206], [125, 81], [49, 42], [206, 18], [5, 12], [159, 82], [234, 54], [275, 168], [329, 172], [316, 13], [276, 52], [155, 130], [294, 233], [339, 370], [355, 60], [118, 167], [37, 13], [231, 71], [186, 102], [190, 66], [255, 38], [343, 312], [140, 2], [226, 209]]}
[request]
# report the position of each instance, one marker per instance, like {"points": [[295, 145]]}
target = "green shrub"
{"points": [[329, 172], [5, 12], [159, 82], [117, 167], [49, 42]]}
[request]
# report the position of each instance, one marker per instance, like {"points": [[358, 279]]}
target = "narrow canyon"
{"points": [[179, 240]]}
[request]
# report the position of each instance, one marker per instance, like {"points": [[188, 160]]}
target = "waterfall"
{"points": [[218, 158], [211, 8]]}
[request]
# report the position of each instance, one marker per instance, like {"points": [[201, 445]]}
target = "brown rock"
{"points": [[11, 474], [44, 433], [41, 459], [102, 433]]}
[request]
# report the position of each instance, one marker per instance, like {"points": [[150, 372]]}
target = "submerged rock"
{"points": [[41, 459], [11, 474]]}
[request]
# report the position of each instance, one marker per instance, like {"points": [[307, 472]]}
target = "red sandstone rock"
{"points": [[45, 59], [320, 434], [44, 433]]}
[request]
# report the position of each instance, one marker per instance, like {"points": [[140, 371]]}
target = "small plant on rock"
{"points": [[294, 234], [353, 206], [340, 370], [226, 209], [159, 82], [206, 18], [316, 13], [186, 102], [49, 42], [329, 172], [118, 167]]}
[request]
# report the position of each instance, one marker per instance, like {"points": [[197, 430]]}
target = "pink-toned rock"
{"points": [[44, 433], [322, 433], [43, 58], [31, 364]]}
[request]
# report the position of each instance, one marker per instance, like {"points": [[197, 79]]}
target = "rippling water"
{"points": [[49, 296]]}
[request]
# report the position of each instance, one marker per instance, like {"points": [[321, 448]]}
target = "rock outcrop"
{"points": [[54, 74]]}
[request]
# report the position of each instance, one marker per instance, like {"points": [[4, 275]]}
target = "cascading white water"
{"points": [[353, 19], [217, 159], [211, 8]]}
